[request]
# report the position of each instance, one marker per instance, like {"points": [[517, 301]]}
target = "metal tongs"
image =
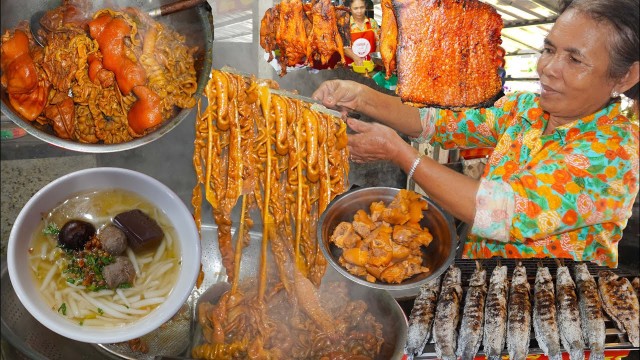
{"points": [[315, 104]]}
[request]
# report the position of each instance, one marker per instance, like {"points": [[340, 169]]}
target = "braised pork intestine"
{"points": [[259, 150], [71, 64]]}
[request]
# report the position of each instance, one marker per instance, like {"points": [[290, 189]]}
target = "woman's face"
{"points": [[358, 9], [573, 67]]}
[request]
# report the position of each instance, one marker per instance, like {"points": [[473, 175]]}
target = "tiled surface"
{"points": [[20, 179]]}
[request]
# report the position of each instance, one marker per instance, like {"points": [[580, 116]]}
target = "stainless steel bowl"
{"points": [[437, 256], [195, 24], [379, 303]]}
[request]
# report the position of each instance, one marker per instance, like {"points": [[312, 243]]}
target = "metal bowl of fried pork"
{"points": [[387, 238]]}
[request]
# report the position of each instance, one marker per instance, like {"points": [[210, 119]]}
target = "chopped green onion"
{"points": [[51, 229], [100, 311], [63, 309]]}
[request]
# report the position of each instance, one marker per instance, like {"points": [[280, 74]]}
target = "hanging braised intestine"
{"points": [[281, 156], [129, 71]]}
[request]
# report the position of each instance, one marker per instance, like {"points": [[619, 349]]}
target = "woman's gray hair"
{"points": [[625, 43]]}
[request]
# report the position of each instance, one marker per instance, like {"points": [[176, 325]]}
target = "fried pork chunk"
{"points": [[446, 54]]}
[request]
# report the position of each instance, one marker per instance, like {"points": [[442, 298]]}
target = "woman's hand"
{"points": [[342, 95], [349, 96], [358, 61], [373, 141]]}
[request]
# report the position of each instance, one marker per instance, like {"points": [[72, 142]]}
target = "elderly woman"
{"points": [[563, 175]]}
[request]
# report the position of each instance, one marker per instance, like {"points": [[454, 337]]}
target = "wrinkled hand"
{"points": [[372, 141], [358, 61], [338, 94]]}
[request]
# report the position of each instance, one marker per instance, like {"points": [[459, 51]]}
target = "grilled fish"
{"points": [[495, 320], [470, 335], [519, 318], [568, 314], [620, 301], [544, 315], [421, 317], [448, 315], [636, 285], [593, 328]]}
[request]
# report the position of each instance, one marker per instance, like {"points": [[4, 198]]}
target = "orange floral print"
{"points": [[570, 189]]}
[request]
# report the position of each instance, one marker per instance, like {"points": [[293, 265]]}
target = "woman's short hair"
{"points": [[625, 43]]}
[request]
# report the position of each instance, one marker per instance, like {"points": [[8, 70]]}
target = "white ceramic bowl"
{"points": [[94, 179]]}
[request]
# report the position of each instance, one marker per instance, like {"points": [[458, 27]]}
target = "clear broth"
{"points": [[158, 268]]}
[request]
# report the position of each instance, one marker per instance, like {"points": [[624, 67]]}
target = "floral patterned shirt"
{"points": [[353, 25], [565, 195]]}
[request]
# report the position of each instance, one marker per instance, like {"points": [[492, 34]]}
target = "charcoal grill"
{"points": [[615, 338]]}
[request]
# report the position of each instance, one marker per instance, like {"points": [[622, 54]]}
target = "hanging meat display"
{"points": [[304, 33], [260, 149]]}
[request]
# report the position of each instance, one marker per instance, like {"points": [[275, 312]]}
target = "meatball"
{"points": [[119, 272], [113, 240]]}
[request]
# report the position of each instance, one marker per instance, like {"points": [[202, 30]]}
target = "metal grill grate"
{"points": [[615, 338]]}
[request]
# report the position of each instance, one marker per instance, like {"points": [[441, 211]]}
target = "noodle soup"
{"points": [[156, 269]]}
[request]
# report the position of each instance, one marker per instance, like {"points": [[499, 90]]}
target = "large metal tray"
{"points": [[615, 338]]}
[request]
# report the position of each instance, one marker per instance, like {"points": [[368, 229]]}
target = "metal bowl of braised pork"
{"points": [[387, 238], [102, 76]]}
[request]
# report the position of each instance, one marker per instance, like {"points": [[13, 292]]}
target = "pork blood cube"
{"points": [[143, 232]]}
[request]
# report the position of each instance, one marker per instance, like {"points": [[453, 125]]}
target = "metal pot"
{"points": [[379, 302], [437, 256], [196, 24]]}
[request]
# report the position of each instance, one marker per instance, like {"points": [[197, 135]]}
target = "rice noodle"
{"points": [[161, 271], [104, 292], [73, 307], [58, 297], [78, 287], [107, 309], [44, 251], [155, 293], [145, 260], [132, 257], [123, 297], [147, 302], [160, 251], [48, 277]]}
